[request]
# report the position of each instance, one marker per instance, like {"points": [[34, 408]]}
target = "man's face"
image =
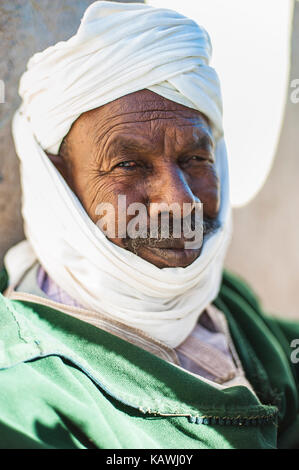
{"points": [[150, 150]]}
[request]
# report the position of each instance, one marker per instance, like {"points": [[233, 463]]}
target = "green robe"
{"points": [[67, 384]]}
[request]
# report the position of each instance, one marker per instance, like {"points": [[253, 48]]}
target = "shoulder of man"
{"points": [[245, 314], [236, 289], [27, 418], [268, 347], [13, 347]]}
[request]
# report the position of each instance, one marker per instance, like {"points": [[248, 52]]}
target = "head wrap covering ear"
{"points": [[118, 49]]}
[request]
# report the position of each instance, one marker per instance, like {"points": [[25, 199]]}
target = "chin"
{"points": [[169, 258]]}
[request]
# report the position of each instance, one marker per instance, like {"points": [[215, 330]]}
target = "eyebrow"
{"points": [[204, 141], [121, 143]]}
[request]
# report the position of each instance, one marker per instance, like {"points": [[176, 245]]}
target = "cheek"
{"points": [[206, 187], [116, 192], [98, 189]]}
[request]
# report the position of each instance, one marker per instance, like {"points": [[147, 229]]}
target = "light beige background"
{"points": [[264, 249], [265, 246]]}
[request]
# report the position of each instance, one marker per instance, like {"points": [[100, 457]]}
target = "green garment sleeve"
{"points": [[3, 279], [11, 438], [32, 423], [285, 331]]}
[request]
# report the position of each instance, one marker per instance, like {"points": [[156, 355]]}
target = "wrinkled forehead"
{"points": [[142, 111], [141, 102]]}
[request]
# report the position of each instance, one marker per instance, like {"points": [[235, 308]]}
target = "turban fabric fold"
{"points": [[118, 49]]}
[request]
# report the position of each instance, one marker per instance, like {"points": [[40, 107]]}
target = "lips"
{"points": [[170, 257]]}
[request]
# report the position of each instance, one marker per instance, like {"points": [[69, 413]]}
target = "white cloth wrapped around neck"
{"points": [[118, 49]]}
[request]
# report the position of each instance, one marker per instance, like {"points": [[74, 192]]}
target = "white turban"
{"points": [[118, 49]]}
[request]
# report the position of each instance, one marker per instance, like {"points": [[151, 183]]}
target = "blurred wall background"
{"points": [[264, 247]]}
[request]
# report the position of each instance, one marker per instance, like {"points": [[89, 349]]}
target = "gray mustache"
{"points": [[208, 226]]}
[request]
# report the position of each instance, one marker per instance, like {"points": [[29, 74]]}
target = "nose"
{"points": [[171, 189]]}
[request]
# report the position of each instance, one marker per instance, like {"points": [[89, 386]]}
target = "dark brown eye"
{"points": [[197, 158], [127, 164], [193, 159]]}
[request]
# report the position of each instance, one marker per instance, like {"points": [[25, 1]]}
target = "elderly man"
{"points": [[110, 340]]}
